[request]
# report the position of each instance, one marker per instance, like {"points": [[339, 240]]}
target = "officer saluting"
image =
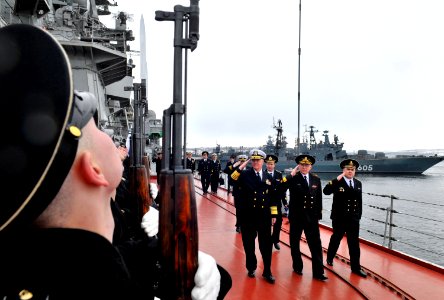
{"points": [[257, 212], [304, 215], [346, 213]]}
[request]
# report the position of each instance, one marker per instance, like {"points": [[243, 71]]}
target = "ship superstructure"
{"points": [[98, 55]]}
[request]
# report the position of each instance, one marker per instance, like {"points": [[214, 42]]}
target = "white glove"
{"points": [[153, 190], [207, 278], [150, 222]]}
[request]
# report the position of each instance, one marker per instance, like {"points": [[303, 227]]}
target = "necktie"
{"points": [[258, 175], [305, 177], [351, 184]]}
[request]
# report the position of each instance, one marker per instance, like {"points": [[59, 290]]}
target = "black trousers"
{"points": [[205, 179], [214, 183], [262, 230], [277, 227], [310, 225], [350, 226], [238, 211]]}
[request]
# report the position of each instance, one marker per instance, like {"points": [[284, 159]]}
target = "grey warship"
{"points": [[99, 56], [329, 154]]}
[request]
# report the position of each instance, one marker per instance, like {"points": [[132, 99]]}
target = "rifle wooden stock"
{"points": [[178, 231], [139, 189]]}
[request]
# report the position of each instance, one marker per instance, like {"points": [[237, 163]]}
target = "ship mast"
{"points": [[299, 81], [279, 138]]}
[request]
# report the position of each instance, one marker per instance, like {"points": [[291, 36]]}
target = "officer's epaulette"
{"points": [[314, 175], [279, 172], [235, 175]]}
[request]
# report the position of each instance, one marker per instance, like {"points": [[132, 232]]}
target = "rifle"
{"points": [[138, 172], [178, 232]]}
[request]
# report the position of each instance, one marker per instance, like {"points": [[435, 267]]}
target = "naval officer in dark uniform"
{"points": [[279, 197], [346, 214], [203, 168], [190, 162], [305, 211], [215, 170], [258, 212]]}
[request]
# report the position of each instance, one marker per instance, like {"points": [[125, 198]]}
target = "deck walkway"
{"points": [[391, 275]]}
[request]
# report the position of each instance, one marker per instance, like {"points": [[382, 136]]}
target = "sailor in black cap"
{"points": [[56, 230], [305, 211], [346, 213], [258, 212], [279, 197], [203, 169]]}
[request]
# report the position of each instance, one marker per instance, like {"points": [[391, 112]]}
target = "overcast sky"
{"points": [[372, 72]]}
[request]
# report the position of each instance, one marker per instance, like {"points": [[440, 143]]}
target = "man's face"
{"points": [[349, 172], [305, 168], [104, 153], [270, 166], [204, 156], [214, 157], [257, 164], [189, 155]]}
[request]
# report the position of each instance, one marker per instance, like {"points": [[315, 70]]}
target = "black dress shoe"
{"points": [[276, 245], [238, 230], [321, 277], [251, 274], [360, 273], [330, 262], [298, 272], [270, 278]]}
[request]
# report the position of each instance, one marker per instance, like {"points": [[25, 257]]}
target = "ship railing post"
{"points": [[391, 221], [385, 226]]}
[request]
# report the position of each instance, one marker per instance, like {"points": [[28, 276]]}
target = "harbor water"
{"points": [[419, 216]]}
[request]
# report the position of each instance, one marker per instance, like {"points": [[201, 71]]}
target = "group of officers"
{"points": [[260, 194]]}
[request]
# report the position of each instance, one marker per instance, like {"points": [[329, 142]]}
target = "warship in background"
{"points": [[328, 155], [99, 56]]}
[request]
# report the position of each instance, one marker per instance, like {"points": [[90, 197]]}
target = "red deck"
{"points": [[391, 274]]}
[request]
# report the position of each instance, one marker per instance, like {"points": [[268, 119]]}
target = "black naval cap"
{"points": [[305, 159], [271, 157], [203, 152], [349, 163], [44, 116]]}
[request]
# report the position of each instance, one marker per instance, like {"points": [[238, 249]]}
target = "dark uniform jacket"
{"points": [[304, 198], [190, 164], [277, 193], [215, 168], [255, 194], [228, 170], [347, 201], [203, 167], [62, 264]]}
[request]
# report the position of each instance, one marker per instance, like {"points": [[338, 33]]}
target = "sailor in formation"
{"points": [[346, 213], [258, 212]]}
